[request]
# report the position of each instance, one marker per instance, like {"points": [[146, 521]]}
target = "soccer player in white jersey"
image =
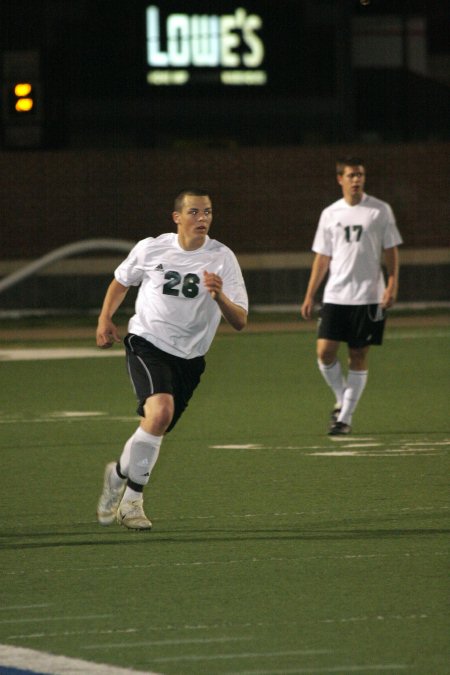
{"points": [[187, 281], [351, 237]]}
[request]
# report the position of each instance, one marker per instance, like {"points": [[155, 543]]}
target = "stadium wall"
{"points": [[267, 202]]}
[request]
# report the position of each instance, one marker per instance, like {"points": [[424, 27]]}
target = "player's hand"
{"points": [[213, 284], [388, 299], [107, 334], [306, 309]]}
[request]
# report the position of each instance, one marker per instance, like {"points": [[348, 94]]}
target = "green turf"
{"points": [[297, 554]]}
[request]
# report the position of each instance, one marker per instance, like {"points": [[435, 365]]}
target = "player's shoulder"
{"points": [[382, 209], [165, 239], [374, 202], [144, 243], [333, 208], [217, 246]]}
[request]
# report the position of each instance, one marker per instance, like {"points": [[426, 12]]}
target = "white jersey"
{"points": [[354, 237], [174, 311]]}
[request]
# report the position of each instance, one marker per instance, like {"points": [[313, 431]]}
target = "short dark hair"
{"points": [[195, 192], [347, 161]]}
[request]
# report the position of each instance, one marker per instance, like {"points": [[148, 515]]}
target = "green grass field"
{"points": [[275, 548]]}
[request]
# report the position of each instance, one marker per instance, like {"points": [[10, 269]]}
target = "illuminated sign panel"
{"points": [[187, 48]]}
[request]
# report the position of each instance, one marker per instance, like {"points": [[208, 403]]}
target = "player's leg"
{"points": [[146, 441], [163, 384], [356, 382], [124, 481], [366, 327], [152, 378], [331, 332], [158, 415], [114, 484], [331, 370], [143, 455]]}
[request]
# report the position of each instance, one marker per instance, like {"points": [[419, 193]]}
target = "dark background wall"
{"points": [[265, 199]]}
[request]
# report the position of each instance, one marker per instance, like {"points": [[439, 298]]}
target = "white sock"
{"points": [[124, 461], [131, 495], [356, 381], [144, 452], [334, 378]]}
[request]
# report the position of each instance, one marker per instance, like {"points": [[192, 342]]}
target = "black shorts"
{"points": [[357, 325], [153, 371]]}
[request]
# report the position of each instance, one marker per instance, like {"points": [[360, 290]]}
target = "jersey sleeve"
{"points": [[131, 271], [233, 281], [392, 236], [322, 241]]}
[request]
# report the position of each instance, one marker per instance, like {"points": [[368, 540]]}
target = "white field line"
{"points": [[352, 446], [217, 626], [387, 453], [349, 446], [429, 443], [154, 643], [55, 353], [69, 416], [363, 445], [11, 608], [34, 661], [378, 617], [298, 560], [70, 633], [350, 437], [46, 353], [41, 619], [244, 655], [393, 667]]}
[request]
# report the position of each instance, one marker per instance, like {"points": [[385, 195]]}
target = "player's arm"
{"points": [[106, 330], [234, 314], [319, 269], [391, 259]]}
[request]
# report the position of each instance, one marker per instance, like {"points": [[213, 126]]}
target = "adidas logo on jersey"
{"points": [[160, 267]]}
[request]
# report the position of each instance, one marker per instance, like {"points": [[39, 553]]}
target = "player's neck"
{"points": [[191, 243], [353, 200]]}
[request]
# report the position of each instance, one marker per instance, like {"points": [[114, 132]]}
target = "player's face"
{"points": [[193, 221], [352, 183]]}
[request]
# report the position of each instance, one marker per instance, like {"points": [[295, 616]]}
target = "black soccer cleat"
{"points": [[334, 415], [339, 429]]}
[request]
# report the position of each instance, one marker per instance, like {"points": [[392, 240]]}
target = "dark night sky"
{"points": [[95, 51], [99, 44]]}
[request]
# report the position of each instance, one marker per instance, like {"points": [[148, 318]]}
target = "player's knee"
{"points": [[358, 358], [159, 412], [326, 356], [327, 351]]}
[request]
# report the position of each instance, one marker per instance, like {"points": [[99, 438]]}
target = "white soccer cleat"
{"points": [[110, 498], [132, 516]]}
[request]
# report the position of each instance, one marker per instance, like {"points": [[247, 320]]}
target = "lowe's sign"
{"points": [[203, 48]]}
